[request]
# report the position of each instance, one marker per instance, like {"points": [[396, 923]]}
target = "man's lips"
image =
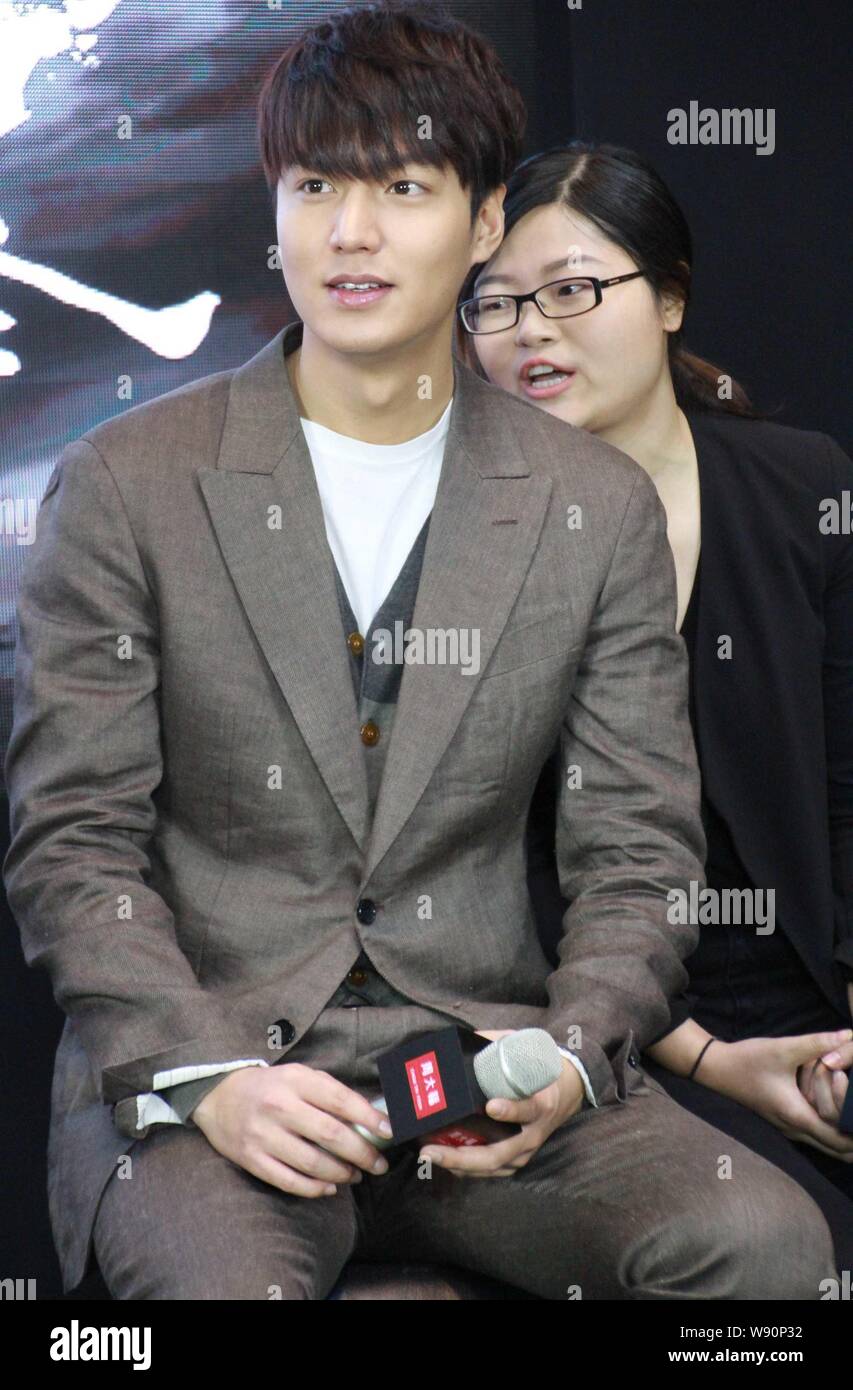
{"points": [[343, 294], [358, 280]]}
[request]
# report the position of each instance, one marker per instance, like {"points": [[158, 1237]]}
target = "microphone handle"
{"points": [[378, 1140]]}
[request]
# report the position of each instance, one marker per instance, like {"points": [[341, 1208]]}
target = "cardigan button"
{"points": [[369, 733], [355, 642]]}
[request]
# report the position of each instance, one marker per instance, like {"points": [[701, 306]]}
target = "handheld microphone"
{"points": [[438, 1083]]}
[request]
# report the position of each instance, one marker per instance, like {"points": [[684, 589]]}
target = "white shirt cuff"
{"points": [[153, 1109], [581, 1069]]}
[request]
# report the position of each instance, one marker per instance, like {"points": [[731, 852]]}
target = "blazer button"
{"points": [[369, 733], [366, 911], [355, 642], [288, 1032]]}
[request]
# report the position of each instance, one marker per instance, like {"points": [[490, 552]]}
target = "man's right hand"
{"points": [[291, 1126]]}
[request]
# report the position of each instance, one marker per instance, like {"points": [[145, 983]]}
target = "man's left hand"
{"points": [[539, 1115]]}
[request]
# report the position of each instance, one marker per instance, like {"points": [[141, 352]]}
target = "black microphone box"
{"points": [[431, 1089]]}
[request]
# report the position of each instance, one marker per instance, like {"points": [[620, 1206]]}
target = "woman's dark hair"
{"points": [[622, 195], [374, 86]]}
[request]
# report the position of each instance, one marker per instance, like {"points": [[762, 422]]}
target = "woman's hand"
{"points": [[762, 1073], [824, 1084], [822, 1081]]}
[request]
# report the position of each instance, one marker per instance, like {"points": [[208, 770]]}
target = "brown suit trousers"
{"points": [[631, 1201]]}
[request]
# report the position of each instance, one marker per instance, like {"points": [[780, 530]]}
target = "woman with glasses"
{"points": [[580, 312]]}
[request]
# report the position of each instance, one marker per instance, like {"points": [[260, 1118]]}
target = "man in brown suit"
{"points": [[250, 865]]}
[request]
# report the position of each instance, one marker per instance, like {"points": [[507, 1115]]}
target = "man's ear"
{"points": [[488, 226]]}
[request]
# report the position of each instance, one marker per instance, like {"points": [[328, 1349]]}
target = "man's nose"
{"points": [[355, 220]]}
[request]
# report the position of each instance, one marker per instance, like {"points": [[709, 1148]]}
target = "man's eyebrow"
{"points": [[302, 169], [543, 270]]}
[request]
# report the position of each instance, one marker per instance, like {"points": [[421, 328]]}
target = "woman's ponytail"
{"points": [[700, 383]]}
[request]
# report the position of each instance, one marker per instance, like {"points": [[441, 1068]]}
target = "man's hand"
{"points": [[539, 1115], [290, 1126]]}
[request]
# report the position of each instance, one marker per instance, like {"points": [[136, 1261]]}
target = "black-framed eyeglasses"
{"points": [[560, 299]]}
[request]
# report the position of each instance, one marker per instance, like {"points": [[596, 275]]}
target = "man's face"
{"points": [[412, 231]]}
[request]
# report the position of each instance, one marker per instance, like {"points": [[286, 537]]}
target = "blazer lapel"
{"points": [[486, 520], [728, 583], [265, 508], [740, 587], [266, 511]]}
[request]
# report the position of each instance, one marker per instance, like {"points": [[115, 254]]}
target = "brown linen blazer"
{"points": [[180, 640]]}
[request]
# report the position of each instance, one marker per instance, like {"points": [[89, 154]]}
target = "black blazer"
{"points": [[774, 725]]}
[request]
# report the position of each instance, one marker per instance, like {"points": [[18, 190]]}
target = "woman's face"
{"points": [[616, 354]]}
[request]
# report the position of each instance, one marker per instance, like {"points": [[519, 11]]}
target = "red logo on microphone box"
{"points": [[425, 1085]]}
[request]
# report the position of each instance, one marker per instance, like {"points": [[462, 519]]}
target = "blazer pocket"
{"points": [[519, 647], [475, 761]]}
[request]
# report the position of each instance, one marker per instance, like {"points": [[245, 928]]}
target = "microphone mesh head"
{"points": [[518, 1065]]}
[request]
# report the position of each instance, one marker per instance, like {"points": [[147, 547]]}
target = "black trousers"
{"points": [[745, 986]]}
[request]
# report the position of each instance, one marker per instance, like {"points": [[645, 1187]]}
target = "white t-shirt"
{"points": [[376, 498]]}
